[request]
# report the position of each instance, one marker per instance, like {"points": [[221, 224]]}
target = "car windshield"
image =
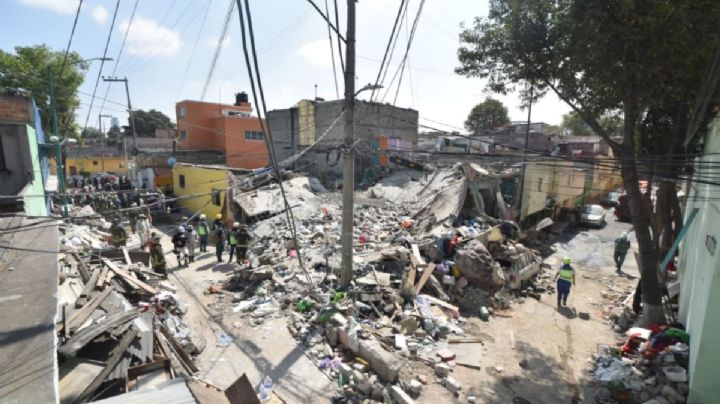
{"points": [[592, 210]]}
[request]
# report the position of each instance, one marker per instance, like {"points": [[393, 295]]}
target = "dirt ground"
{"points": [[540, 353]]}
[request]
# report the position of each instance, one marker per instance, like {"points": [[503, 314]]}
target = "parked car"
{"points": [[592, 215], [611, 200], [523, 267]]}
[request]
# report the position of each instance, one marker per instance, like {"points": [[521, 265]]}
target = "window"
{"points": [[181, 179], [216, 200], [252, 135], [181, 112], [95, 162], [183, 135]]}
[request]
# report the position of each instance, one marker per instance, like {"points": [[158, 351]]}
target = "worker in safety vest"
{"points": [[119, 235], [157, 256], [233, 239], [565, 280], [243, 240], [203, 231]]}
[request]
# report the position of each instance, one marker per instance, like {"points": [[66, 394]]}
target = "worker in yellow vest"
{"points": [[234, 239], [203, 231], [565, 280]]}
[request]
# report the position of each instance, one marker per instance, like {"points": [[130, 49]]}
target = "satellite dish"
{"points": [[171, 161]]}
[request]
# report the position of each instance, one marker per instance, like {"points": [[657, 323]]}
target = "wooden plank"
{"points": [[424, 277], [479, 337], [87, 334], [127, 256], [87, 289], [440, 303], [130, 280], [82, 268], [412, 274], [80, 316], [101, 279], [110, 365], [416, 254], [178, 349]]}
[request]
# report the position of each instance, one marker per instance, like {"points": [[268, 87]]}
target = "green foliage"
{"points": [[91, 133], [147, 121], [114, 135], [574, 125], [489, 114], [27, 69]]}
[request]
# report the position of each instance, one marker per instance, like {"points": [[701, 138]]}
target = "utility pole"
{"points": [[348, 158], [58, 145], [102, 139], [525, 150], [132, 121]]}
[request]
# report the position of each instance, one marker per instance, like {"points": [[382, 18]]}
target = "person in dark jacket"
{"points": [[622, 245], [243, 240], [179, 241]]}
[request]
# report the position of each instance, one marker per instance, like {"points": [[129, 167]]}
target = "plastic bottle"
{"points": [[266, 389]]}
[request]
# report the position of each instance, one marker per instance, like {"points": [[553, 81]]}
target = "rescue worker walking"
{"points": [[233, 239], [243, 239], [179, 241], [133, 216], [143, 230], [203, 231], [565, 280], [622, 245], [157, 256], [219, 238], [119, 235], [192, 242]]}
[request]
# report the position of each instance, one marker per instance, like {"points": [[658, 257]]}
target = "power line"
{"points": [[221, 39], [119, 55], [332, 53], [339, 44], [327, 20], [72, 33], [192, 53], [387, 47], [148, 39], [394, 44], [102, 63], [401, 68]]}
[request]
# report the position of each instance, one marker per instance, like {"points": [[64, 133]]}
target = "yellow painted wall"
{"points": [[91, 164], [199, 180], [551, 179]]}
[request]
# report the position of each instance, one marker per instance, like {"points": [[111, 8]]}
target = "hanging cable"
{"points": [[387, 48], [72, 33], [401, 68], [226, 24], [192, 52], [332, 53], [339, 44]]}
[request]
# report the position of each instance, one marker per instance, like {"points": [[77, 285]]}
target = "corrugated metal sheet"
{"points": [[173, 392]]}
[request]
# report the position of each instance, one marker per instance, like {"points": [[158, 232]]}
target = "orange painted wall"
{"points": [[206, 127], [239, 151]]}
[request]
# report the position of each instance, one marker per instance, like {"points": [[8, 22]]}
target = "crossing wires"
{"points": [[268, 134], [401, 68], [403, 6], [219, 47]]}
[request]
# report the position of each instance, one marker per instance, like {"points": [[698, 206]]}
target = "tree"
{"points": [[489, 114], [27, 69], [91, 133], [147, 121], [114, 135], [573, 124], [601, 57]]}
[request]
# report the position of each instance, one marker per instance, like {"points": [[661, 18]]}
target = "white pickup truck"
{"points": [[520, 267]]}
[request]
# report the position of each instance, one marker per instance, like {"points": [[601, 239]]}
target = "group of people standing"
{"points": [[187, 239]]}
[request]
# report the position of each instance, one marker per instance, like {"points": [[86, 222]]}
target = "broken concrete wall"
{"points": [[478, 267]]}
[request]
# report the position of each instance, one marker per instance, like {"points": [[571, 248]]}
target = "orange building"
{"points": [[228, 128]]}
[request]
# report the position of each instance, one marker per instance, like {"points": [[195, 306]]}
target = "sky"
{"points": [[168, 52]]}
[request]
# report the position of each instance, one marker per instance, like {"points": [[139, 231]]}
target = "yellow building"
{"points": [[200, 180], [91, 165], [559, 181]]}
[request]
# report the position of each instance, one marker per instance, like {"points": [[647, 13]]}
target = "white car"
{"points": [[592, 215]]}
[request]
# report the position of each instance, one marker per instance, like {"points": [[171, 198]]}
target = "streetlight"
{"points": [[367, 87], [92, 59], [60, 169]]}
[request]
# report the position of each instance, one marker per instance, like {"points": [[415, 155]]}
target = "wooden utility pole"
{"points": [[348, 157]]}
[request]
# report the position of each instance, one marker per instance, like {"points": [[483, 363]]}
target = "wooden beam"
{"points": [[110, 365], [80, 316], [424, 277], [87, 289], [440, 303], [82, 268], [87, 334], [101, 279], [127, 256], [416, 254], [130, 280], [184, 357]]}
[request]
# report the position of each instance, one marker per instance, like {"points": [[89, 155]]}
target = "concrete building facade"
{"points": [[221, 127], [380, 130], [23, 161], [699, 270]]}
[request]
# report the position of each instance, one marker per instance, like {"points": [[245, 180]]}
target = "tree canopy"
{"points": [[147, 121], [27, 69], [602, 58], [489, 114], [573, 124]]}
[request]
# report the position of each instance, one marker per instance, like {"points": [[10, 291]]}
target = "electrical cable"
{"points": [[192, 52], [339, 44], [219, 47], [72, 34], [102, 63], [332, 53], [327, 20], [268, 138], [149, 39], [392, 48], [401, 68], [120, 52], [387, 47]]}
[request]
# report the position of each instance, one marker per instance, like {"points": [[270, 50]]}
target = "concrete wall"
{"points": [[92, 165], [199, 180], [559, 180], [699, 271], [34, 192], [18, 168]]}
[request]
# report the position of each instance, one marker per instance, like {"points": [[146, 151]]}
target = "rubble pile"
{"points": [[649, 367], [121, 327], [422, 264]]}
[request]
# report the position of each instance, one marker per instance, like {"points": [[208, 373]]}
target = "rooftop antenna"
{"points": [[316, 91]]}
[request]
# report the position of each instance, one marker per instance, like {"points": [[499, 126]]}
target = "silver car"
{"points": [[592, 215]]}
